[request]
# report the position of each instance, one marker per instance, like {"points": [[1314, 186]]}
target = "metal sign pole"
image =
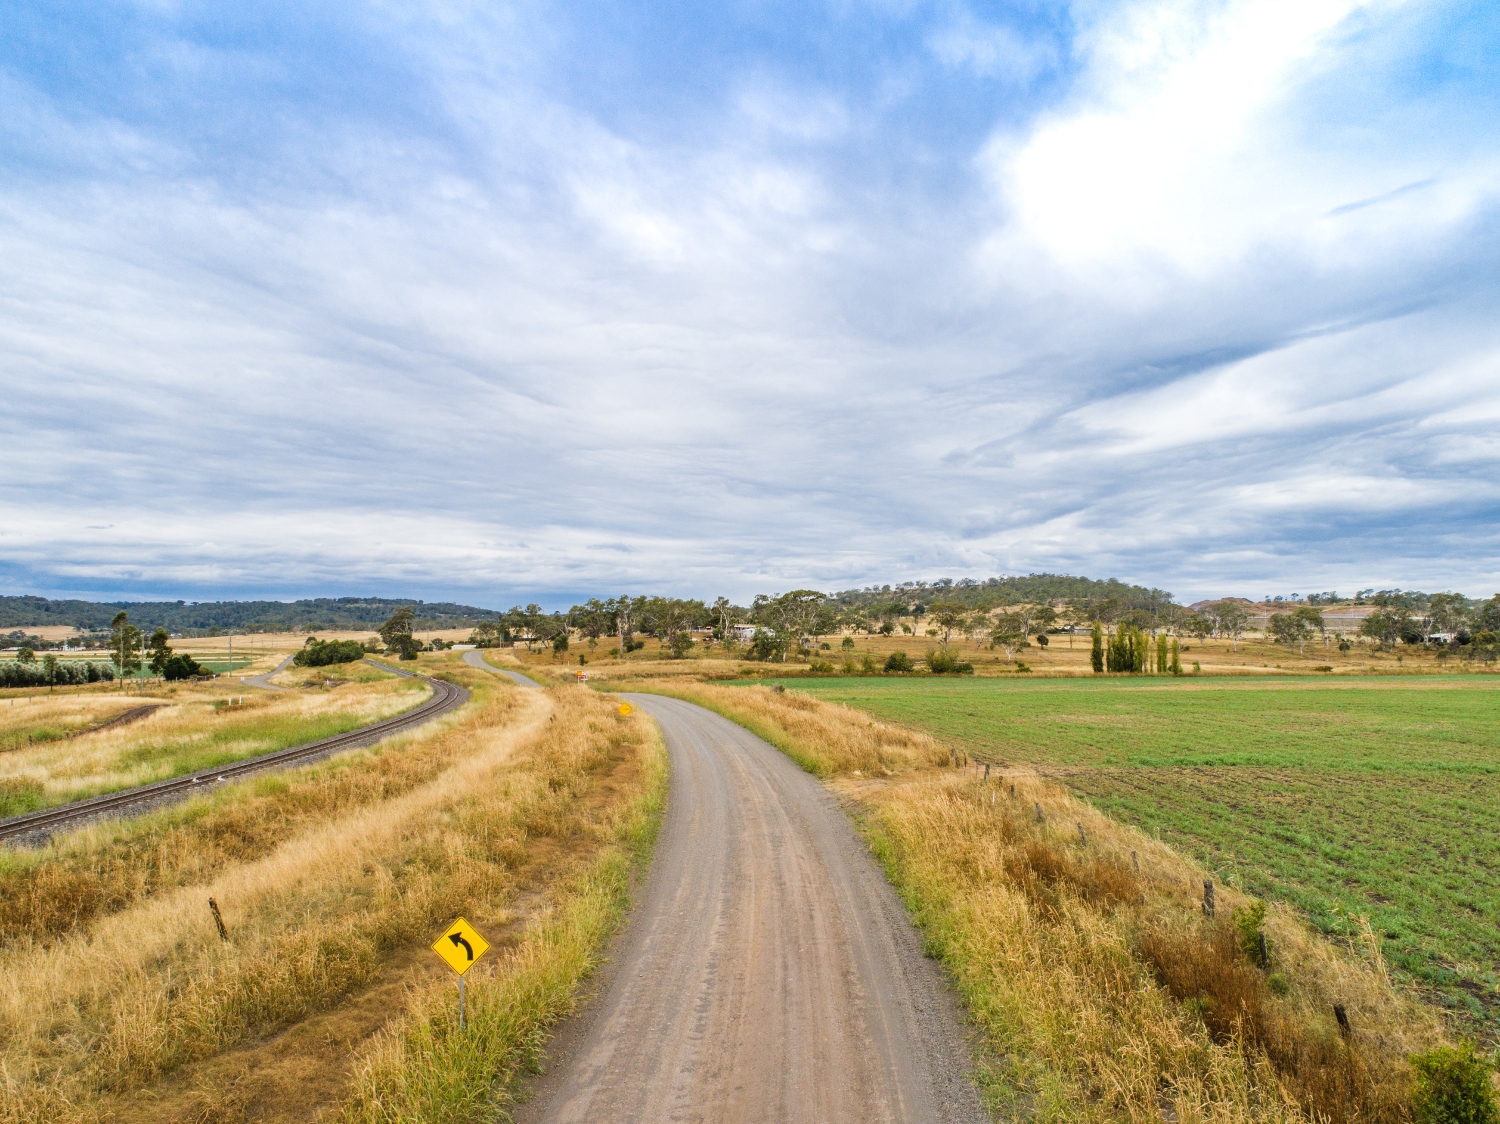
{"points": [[460, 1002]]}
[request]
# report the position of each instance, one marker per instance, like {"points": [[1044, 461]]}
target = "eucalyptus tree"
{"points": [[1290, 629], [948, 617], [124, 645], [1447, 612], [790, 615], [1009, 633], [396, 633]]}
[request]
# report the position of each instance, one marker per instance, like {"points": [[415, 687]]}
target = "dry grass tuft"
{"points": [[1331, 1079]]}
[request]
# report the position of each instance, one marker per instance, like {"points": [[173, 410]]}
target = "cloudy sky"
{"points": [[501, 301]]}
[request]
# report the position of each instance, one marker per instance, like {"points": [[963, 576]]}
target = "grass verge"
{"points": [[427, 1071]]}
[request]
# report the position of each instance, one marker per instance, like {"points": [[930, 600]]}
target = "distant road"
{"points": [[476, 659], [264, 681], [768, 974]]}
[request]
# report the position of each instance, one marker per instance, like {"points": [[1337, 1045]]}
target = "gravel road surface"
{"points": [[476, 659], [768, 972], [264, 681]]}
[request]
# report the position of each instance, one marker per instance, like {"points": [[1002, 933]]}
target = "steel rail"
{"points": [[445, 697]]}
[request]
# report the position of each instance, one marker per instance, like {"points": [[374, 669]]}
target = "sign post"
{"points": [[460, 947]]}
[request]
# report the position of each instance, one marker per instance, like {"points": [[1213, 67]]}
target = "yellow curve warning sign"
{"points": [[626, 708], [460, 946]]}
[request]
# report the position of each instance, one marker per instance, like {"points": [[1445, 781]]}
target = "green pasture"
{"points": [[1375, 796]]}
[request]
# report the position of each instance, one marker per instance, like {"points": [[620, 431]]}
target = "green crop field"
{"points": [[1375, 796]]}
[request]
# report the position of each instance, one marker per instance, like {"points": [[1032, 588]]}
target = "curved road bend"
{"points": [[476, 659], [768, 972], [264, 681]]}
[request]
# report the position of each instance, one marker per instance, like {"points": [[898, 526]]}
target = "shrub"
{"points": [[1453, 1087], [898, 661], [323, 653], [1249, 922], [942, 662], [180, 666], [764, 646], [403, 646], [848, 642]]}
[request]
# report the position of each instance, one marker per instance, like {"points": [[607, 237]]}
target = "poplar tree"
{"points": [[1096, 655], [1176, 666]]}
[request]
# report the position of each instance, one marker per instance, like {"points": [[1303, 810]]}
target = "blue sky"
{"points": [[511, 301]]}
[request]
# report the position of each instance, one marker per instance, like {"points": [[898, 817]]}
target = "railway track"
{"points": [[37, 826]]}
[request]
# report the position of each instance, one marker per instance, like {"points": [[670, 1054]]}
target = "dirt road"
{"points": [[264, 681], [476, 659], [768, 973]]}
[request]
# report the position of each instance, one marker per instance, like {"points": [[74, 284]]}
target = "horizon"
{"points": [[563, 603]]}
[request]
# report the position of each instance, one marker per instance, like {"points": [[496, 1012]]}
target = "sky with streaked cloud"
{"points": [[513, 301]]}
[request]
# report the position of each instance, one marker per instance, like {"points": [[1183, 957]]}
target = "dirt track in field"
{"points": [[768, 972]]}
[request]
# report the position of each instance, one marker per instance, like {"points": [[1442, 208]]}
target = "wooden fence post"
{"points": [[1208, 897], [218, 919], [1343, 1017]]}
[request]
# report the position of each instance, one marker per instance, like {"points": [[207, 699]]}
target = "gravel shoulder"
{"points": [[768, 972]]}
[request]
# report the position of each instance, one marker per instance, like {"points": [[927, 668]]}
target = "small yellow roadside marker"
{"points": [[625, 708], [460, 946]]}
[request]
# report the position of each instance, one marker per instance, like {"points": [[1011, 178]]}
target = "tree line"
{"points": [[320, 614]]}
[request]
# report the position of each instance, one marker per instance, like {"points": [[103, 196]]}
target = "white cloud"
{"points": [[1186, 147]]}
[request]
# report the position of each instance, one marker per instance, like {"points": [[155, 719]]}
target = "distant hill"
{"points": [[1030, 589], [318, 614]]}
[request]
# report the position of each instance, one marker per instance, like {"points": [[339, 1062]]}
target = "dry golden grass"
{"points": [[50, 891], [826, 739], [44, 717], [92, 1011], [1101, 990], [199, 726]]}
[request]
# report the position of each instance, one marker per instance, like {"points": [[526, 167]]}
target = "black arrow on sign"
{"points": [[458, 940]]}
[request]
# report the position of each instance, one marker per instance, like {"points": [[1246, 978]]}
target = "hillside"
{"points": [[320, 613], [1013, 590]]}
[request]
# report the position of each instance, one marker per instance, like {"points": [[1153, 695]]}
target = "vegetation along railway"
{"points": [[36, 826]]}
